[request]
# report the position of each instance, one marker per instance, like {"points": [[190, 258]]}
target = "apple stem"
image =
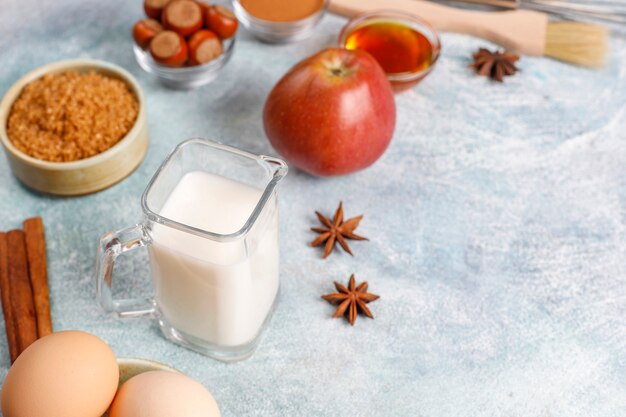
{"points": [[338, 68]]}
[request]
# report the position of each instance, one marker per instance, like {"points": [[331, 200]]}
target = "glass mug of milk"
{"points": [[210, 224]]}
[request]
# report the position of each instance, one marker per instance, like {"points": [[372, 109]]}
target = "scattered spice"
{"points": [[495, 64], [336, 231], [71, 116], [351, 300]]}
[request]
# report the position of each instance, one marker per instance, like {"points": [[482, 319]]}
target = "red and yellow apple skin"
{"points": [[332, 114]]}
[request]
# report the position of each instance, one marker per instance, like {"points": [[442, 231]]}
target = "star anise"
{"points": [[351, 300], [336, 231], [495, 64]]}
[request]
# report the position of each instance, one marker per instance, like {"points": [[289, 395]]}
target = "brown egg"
{"points": [[163, 394], [65, 374]]}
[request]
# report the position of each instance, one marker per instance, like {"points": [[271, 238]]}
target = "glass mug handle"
{"points": [[111, 246]]}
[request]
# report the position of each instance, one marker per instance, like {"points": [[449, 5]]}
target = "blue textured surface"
{"points": [[497, 224]]}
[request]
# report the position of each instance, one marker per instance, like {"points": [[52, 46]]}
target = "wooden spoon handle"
{"points": [[508, 4], [522, 31]]}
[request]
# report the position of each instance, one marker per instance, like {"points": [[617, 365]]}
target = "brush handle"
{"points": [[522, 31]]}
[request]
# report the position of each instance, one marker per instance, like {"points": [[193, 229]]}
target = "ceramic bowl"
{"points": [[131, 367], [86, 175]]}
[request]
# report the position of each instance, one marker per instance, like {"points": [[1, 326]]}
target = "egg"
{"points": [[163, 394], [65, 374]]}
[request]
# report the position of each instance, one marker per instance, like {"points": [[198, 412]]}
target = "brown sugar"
{"points": [[71, 116]]}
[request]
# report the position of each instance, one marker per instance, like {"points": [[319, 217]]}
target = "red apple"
{"points": [[331, 114]]}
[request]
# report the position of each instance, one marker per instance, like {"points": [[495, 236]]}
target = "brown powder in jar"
{"points": [[71, 116], [282, 10]]}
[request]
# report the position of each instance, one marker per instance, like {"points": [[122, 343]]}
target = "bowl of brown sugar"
{"points": [[74, 127]]}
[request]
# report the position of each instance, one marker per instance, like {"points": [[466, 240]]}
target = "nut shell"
{"points": [[170, 49], [145, 30], [204, 46], [183, 17], [154, 8], [221, 21]]}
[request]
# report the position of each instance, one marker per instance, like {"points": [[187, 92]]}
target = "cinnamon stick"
{"points": [[36, 253], [5, 294], [22, 304]]}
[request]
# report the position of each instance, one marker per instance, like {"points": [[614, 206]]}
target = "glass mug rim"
{"points": [[276, 166]]}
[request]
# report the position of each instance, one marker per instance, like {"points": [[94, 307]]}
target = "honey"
{"points": [[397, 47]]}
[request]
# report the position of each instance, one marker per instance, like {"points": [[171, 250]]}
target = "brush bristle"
{"points": [[579, 43]]}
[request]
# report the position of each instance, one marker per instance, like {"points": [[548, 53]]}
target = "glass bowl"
{"points": [[400, 81], [279, 32], [185, 77]]}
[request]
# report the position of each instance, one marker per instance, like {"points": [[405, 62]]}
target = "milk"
{"points": [[218, 292]]}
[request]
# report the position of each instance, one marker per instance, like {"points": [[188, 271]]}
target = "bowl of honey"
{"points": [[406, 46]]}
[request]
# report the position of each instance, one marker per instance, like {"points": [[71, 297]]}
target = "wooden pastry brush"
{"points": [[610, 13], [522, 31]]}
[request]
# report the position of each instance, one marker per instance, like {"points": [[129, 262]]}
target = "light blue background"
{"points": [[497, 220]]}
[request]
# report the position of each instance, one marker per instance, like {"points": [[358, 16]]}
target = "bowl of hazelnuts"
{"points": [[184, 43]]}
